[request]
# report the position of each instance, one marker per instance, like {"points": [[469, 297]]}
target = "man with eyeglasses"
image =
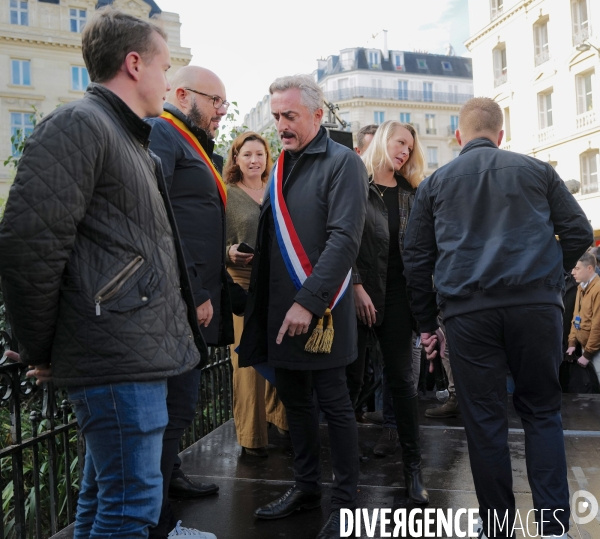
{"points": [[183, 138]]}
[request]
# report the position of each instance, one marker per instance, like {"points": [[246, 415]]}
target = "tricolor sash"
{"points": [[296, 260], [194, 143]]}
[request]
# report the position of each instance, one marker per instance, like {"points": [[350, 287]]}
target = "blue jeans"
{"points": [[121, 488]]}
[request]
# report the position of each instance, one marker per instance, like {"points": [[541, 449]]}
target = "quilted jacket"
{"points": [[89, 264]]}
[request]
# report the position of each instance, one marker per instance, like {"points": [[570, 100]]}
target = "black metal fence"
{"points": [[41, 451]]}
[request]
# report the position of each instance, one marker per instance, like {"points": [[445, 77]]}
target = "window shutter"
{"points": [[580, 84], [497, 63]]}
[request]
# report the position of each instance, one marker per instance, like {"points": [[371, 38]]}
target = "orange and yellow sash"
{"points": [[193, 141]]}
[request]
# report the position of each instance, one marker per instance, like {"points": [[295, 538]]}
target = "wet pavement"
{"points": [[249, 482]]}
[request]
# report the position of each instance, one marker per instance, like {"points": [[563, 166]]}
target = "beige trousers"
{"points": [[255, 401]]}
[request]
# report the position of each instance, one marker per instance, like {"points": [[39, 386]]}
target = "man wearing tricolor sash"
{"points": [[183, 138], [299, 318]]}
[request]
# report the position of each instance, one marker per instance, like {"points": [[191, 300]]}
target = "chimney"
{"points": [[386, 53]]}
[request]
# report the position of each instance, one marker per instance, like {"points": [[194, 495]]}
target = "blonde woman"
{"points": [[395, 164], [255, 400]]}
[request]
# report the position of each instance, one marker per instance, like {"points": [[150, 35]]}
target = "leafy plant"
{"points": [[20, 137]]}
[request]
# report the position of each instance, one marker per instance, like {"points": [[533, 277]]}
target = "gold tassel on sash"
{"points": [[321, 340]]}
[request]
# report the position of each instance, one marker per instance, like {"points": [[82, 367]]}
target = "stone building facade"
{"points": [[40, 59]]}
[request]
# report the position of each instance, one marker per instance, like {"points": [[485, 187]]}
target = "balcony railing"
{"points": [[505, 146], [542, 57], [580, 36], [586, 119], [397, 95], [500, 80], [432, 165], [452, 130], [546, 134], [431, 131]]}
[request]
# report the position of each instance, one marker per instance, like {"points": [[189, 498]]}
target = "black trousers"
{"points": [[395, 339], [527, 340], [182, 398], [297, 390]]}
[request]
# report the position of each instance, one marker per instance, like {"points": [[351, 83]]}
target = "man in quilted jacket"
{"points": [[92, 269]]}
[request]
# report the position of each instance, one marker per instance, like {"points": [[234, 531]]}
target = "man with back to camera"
{"points": [[364, 138], [92, 268], [183, 139], [585, 327], [318, 196], [485, 226]]}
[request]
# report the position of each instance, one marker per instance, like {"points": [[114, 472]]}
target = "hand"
{"points": [[429, 341], [570, 350], [204, 313], [43, 373], [239, 259], [583, 361], [296, 322], [365, 310]]}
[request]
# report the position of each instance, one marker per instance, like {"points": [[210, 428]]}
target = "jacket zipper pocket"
{"points": [[116, 283]]}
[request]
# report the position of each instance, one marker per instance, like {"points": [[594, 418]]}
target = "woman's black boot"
{"points": [[406, 411]]}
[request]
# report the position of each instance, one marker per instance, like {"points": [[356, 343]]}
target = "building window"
{"points": [[496, 8], [585, 90], [405, 117], [403, 89], [373, 58], [507, 124], [399, 61], [446, 66], [455, 153], [421, 63], [432, 157], [500, 67], [21, 72], [581, 21], [19, 13], [453, 124], [589, 172], [430, 124], [428, 91], [79, 79], [347, 60], [540, 40], [77, 17], [345, 116], [545, 109], [379, 117], [21, 127]]}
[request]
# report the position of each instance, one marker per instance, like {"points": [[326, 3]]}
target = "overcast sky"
{"points": [[248, 44]]}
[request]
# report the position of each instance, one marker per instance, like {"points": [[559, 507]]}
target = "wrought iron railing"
{"points": [[41, 451]]}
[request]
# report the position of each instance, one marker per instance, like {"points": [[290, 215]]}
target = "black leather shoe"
{"points": [[331, 530], [387, 443], [183, 487], [293, 500]]}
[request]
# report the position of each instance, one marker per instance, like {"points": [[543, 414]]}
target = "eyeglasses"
{"points": [[218, 102]]}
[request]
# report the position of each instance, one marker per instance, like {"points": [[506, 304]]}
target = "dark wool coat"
{"points": [[326, 195], [200, 217], [90, 269]]}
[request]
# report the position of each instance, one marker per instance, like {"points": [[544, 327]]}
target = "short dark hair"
{"points": [[366, 130], [109, 36], [588, 259]]}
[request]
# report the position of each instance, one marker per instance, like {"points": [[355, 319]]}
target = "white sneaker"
{"points": [[190, 532]]}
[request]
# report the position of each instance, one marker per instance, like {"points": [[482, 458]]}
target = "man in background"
{"points": [[585, 328], [364, 138]]}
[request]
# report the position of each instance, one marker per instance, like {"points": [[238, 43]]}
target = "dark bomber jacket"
{"points": [[485, 226], [90, 269]]}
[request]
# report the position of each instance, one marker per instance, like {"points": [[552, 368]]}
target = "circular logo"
{"points": [[584, 506]]}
